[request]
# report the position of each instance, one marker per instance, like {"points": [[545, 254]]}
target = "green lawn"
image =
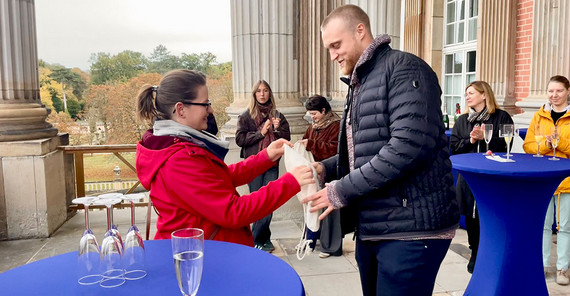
{"points": [[99, 167]]}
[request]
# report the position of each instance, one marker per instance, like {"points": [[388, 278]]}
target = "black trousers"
{"points": [[398, 267]]}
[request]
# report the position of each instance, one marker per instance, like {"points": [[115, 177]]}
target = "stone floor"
{"points": [[330, 276]]}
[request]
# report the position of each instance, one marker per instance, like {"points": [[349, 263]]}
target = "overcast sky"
{"points": [[69, 31]]}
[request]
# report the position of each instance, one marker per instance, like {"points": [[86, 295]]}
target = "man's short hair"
{"points": [[352, 15]]}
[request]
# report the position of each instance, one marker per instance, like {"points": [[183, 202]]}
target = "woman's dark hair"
{"points": [[317, 103], [156, 102], [561, 79]]}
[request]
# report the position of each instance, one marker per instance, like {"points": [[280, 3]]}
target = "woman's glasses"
{"points": [[208, 104]]}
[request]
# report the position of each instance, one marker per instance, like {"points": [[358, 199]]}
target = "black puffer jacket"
{"points": [[401, 185]]}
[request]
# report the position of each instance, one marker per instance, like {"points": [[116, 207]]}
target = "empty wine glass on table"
{"points": [[113, 226], [134, 255], [488, 134], [89, 257], [188, 253], [538, 136], [554, 142], [506, 131], [111, 250]]}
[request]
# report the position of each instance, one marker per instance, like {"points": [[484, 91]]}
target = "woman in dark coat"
{"points": [[467, 134], [258, 126]]}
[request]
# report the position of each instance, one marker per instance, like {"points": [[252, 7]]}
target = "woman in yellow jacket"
{"points": [[555, 114]]}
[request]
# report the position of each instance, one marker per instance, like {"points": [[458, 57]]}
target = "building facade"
{"points": [[514, 45]]}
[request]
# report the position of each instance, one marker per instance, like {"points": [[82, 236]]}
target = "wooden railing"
{"points": [[79, 151]]}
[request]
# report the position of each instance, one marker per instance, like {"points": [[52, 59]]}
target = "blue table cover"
{"points": [[229, 269], [512, 198]]}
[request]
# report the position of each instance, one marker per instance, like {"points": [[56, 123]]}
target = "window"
{"points": [[459, 51]]}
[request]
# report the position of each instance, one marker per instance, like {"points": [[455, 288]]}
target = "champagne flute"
{"points": [[188, 253], [538, 136], [111, 250], [506, 132], [134, 255], [554, 143], [114, 228], [488, 134], [88, 253]]}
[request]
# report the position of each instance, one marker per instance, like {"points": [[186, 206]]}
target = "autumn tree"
{"points": [[106, 68], [120, 111], [161, 61]]}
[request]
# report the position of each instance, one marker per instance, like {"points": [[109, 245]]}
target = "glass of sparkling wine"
{"points": [[506, 132], [554, 143], [538, 138], [488, 133], [188, 253]]}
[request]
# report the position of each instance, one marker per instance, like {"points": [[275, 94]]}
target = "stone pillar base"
{"points": [[32, 188]]}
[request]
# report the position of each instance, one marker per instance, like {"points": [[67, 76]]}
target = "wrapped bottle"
{"points": [[457, 112]]}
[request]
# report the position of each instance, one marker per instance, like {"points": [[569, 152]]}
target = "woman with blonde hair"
{"points": [[258, 126], [468, 137], [183, 166]]}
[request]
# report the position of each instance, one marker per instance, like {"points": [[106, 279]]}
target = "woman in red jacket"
{"points": [[184, 169]]}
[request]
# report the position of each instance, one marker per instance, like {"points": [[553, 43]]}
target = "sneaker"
{"points": [[562, 278], [324, 255], [258, 246], [268, 247]]}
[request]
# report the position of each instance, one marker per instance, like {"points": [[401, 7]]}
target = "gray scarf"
{"points": [[202, 138], [475, 116]]}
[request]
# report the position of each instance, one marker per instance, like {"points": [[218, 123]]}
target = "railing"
{"points": [[79, 151]]}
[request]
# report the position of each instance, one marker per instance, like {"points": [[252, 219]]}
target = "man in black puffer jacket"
{"points": [[392, 169]]}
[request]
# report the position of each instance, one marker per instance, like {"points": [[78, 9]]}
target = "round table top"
{"points": [[229, 269], [524, 165]]}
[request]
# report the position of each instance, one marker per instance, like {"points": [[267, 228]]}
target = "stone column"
{"points": [[550, 52], [496, 49], [263, 48], [32, 189]]}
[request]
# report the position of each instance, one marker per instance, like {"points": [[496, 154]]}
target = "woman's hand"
{"points": [[276, 150], [265, 127], [303, 174], [476, 134]]}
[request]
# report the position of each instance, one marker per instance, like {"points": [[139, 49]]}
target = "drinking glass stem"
{"points": [[109, 217], [537, 148], [132, 213], [86, 208], [478, 146], [487, 146], [508, 151]]}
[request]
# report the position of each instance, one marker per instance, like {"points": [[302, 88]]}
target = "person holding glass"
{"points": [[184, 169], [554, 115], [258, 126], [321, 139], [468, 134]]}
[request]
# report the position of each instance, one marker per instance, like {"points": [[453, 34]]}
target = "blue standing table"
{"points": [[229, 269], [512, 198]]}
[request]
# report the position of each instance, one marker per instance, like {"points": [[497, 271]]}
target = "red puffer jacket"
{"points": [[191, 187]]}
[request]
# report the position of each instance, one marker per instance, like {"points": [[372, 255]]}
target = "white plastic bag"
{"points": [[295, 157]]}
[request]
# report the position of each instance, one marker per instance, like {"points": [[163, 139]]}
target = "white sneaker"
{"points": [[324, 255], [562, 278]]}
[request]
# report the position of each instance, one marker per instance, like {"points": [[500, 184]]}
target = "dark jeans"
{"points": [[260, 228], [398, 267]]}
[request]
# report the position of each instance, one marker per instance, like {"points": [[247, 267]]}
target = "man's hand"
{"points": [[320, 200]]}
